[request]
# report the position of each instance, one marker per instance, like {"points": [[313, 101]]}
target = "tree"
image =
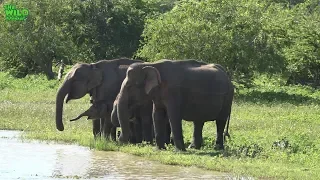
{"points": [[225, 32], [295, 33], [73, 31], [32, 45]]}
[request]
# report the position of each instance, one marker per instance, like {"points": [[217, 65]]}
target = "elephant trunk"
{"points": [[123, 115], [80, 116], [62, 92]]}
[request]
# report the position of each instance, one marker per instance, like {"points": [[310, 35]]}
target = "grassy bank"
{"points": [[275, 129]]}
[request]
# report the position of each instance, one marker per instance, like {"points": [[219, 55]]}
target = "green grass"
{"points": [[275, 130]]}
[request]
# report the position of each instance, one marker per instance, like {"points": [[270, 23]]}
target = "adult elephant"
{"points": [[102, 80], [186, 89], [141, 112]]}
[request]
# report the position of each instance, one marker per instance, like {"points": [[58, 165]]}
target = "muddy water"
{"points": [[33, 160]]}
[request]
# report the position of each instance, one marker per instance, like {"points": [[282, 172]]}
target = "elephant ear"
{"points": [[153, 78], [96, 77]]}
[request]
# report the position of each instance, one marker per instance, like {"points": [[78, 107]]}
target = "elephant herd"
{"points": [[149, 100]]}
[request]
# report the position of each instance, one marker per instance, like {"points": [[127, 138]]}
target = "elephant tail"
{"points": [[230, 99], [226, 133]]}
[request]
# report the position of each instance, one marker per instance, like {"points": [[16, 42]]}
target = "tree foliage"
{"points": [[265, 36], [32, 45], [72, 31], [247, 37], [225, 32], [295, 32]]}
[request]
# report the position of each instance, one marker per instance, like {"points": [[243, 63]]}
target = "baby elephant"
{"points": [[100, 109], [142, 113]]}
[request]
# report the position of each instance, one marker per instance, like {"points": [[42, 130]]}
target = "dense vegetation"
{"points": [[266, 36], [72, 31]]}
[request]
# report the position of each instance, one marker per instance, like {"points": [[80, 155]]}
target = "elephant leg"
{"points": [[175, 119], [147, 128], [138, 130], [96, 128], [107, 126], [113, 133], [132, 137], [168, 132], [147, 132], [197, 135], [159, 127], [177, 134], [220, 124]]}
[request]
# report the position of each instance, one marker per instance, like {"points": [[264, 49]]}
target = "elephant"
{"points": [[184, 89], [142, 112], [102, 80], [100, 109]]}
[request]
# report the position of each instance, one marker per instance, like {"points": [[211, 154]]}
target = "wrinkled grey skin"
{"points": [[188, 89], [100, 109], [102, 80], [143, 112]]}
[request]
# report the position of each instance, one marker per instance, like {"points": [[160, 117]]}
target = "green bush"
{"points": [[72, 31], [225, 32]]}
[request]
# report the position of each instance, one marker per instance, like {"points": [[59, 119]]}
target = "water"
{"points": [[34, 160]]}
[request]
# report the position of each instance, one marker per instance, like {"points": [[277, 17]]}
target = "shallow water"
{"points": [[34, 160]]}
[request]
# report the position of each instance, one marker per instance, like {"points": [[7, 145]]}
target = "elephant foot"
{"points": [[219, 147], [113, 138], [225, 135], [138, 141], [97, 136], [150, 143], [194, 146], [106, 137], [160, 147], [180, 146], [132, 140], [123, 139], [180, 150], [172, 141]]}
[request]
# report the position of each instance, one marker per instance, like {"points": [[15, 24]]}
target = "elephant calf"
{"points": [[100, 109], [142, 112]]}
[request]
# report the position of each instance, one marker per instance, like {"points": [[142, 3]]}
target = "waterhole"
{"points": [[20, 159]]}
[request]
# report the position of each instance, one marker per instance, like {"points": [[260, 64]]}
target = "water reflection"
{"points": [[34, 160]]}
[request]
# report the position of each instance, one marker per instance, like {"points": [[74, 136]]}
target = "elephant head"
{"points": [[80, 80], [140, 80]]}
